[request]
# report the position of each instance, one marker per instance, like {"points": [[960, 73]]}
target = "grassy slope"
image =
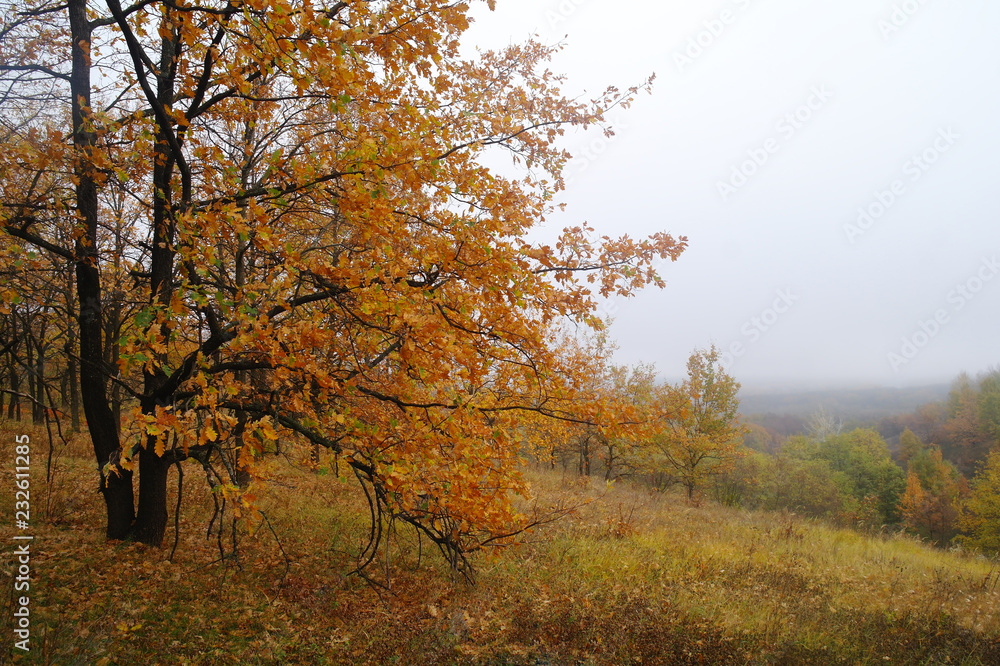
{"points": [[632, 577]]}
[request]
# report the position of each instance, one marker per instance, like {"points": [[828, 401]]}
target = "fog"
{"points": [[833, 165]]}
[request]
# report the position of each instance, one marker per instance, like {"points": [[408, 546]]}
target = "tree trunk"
{"points": [[30, 370], [585, 457], [243, 477], [117, 486], [40, 401], [64, 389], [74, 391], [112, 351], [14, 406], [151, 516], [72, 372]]}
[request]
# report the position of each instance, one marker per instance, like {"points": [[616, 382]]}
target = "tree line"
{"points": [[687, 433], [937, 469]]}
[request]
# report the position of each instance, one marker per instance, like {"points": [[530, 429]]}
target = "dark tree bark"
{"points": [[13, 378], [72, 371], [14, 406], [73, 380], [112, 351], [117, 486], [40, 400], [29, 366], [584, 464], [151, 516]]}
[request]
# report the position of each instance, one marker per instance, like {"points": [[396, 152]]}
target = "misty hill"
{"points": [[860, 404]]}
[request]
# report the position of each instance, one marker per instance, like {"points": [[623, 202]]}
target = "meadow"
{"points": [[631, 576]]}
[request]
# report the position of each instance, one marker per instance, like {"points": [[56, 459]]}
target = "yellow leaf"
{"points": [[267, 430]]}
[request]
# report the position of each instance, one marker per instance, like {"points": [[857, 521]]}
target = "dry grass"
{"points": [[632, 577]]}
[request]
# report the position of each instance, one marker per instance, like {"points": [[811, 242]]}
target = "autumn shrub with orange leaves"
{"points": [[282, 238]]}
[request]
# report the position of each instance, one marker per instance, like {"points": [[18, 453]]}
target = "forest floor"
{"points": [[633, 576]]}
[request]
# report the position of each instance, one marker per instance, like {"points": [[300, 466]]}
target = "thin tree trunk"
{"points": [[74, 385], [14, 406], [40, 401], [64, 388], [29, 365]]}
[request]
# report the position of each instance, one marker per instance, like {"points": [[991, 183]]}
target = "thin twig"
{"points": [[288, 560]]}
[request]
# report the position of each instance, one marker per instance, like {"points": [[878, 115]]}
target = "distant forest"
{"points": [[877, 458], [956, 416], [849, 404]]}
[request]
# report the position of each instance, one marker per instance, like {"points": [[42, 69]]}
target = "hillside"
{"points": [[631, 577], [858, 404]]}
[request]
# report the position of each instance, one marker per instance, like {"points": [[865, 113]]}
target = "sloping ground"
{"points": [[632, 577]]}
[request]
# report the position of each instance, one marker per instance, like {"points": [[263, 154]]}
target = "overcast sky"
{"points": [[834, 165]]}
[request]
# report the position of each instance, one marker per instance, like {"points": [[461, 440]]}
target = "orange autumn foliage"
{"points": [[701, 434], [317, 253], [931, 504]]}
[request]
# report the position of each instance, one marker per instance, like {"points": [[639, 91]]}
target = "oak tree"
{"points": [[291, 202]]}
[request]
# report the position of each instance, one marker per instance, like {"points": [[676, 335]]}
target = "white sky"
{"points": [[888, 80]]}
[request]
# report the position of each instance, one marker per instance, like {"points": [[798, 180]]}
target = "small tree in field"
{"points": [[702, 436]]}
